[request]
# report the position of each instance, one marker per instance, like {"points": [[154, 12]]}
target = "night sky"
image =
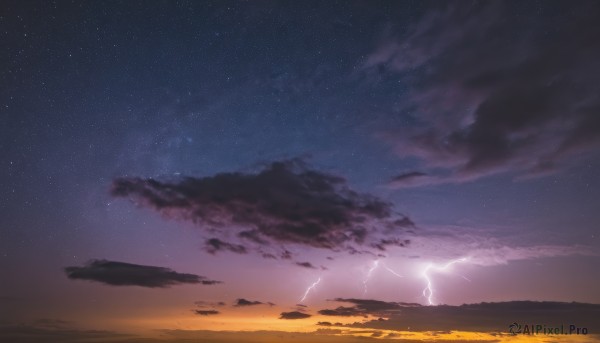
{"points": [[302, 171]]}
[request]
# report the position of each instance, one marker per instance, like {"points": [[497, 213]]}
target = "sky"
{"points": [[324, 171]]}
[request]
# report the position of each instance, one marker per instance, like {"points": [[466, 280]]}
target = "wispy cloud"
{"points": [[484, 247], [495, 95]]}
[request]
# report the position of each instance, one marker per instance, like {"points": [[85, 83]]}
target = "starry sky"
{"points": [[172, 170]]}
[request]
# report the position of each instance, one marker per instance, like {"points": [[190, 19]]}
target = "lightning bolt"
{"points": [[428, 290], [310, 288], [391, 271], [372, 269], [369, 273]]}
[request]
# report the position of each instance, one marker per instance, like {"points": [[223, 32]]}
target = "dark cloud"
{"points": [[208, 308], [486, 317], [494, 93], [284, 203], [128, 274], [306, 265], [206, 312], [383, 243], [42, 332], [294, 315], [210, 282], [268, 255], [286, 255], [214, 244], [366, 307], [342, 311], [329, 324], [243, 302]]}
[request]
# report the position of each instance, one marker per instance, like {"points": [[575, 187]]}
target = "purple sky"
{"points": [[163, 160]]}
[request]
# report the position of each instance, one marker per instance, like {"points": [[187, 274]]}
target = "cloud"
{"points": [[342, 312], [294, 315], [409, 177], [415, 179], [202, 303], [505, 254], [128, 274], [286, 255], [366, 307], [243, 302], [268, 255], [306, 265], [285, 203], [208, 308], [494, 93], [41, 331], [487, 317], [214, 244], [485, 246], [329, 324]]}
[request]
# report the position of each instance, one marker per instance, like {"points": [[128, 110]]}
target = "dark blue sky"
{"points": [[475, 121]]}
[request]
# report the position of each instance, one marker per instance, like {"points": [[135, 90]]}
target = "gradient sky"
{"points": [[255, 148]]}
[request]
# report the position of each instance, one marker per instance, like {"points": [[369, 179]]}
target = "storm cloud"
{"points": [[480, 317], [366, 307], [487, 317], [127, 274], [493, 93], [285, 203]]}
